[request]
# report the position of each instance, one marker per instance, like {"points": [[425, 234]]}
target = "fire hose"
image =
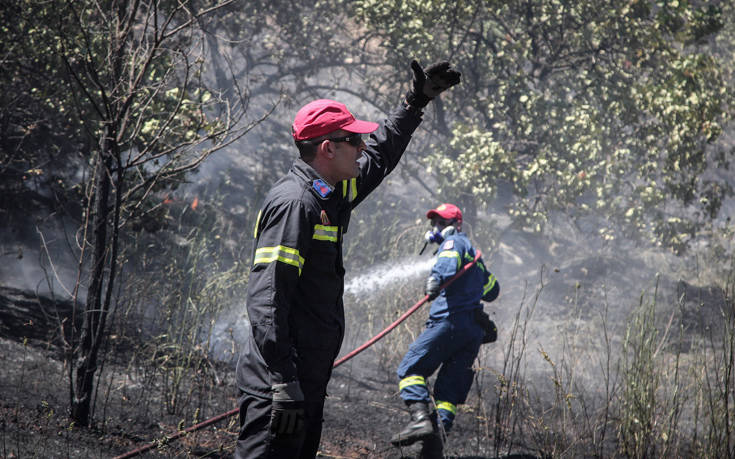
{"points": [[367, 344]]}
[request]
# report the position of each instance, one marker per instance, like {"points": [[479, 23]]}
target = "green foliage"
{"points": [[41, 132], [715, 388], [74, 71], [638, 431], [610, 113]]}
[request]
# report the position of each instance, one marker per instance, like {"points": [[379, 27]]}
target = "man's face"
{"points": [[439, 223], [348, 149]]}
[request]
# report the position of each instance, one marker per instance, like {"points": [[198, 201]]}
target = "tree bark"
{"points": [[96, 310]]}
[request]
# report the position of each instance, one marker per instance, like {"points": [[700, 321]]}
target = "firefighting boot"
{"points": [[419, 428]]}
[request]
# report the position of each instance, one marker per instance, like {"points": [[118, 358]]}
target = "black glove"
{"points": [[432, 288], [492, 294], [487, 325], [287, 413], [437, 79]]}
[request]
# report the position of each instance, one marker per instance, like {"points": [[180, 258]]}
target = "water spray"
{"points": [[379, 276]]}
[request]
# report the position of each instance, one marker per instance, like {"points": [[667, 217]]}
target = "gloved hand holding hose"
{"points": [[433, 288], [287, 414]]}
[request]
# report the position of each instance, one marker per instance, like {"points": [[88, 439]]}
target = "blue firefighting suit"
{"points": [[452, 337], [294, 299]]}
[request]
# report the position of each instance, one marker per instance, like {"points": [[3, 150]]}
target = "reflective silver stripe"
{"points": [[349, 190], [279, 253], [411, 381], [325, 233]]}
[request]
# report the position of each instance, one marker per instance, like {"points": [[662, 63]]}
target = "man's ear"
{"points": [[326, 148]]}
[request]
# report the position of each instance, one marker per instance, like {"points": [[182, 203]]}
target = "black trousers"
{"points": [[256, 440]]}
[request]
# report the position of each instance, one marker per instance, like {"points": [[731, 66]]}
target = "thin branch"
{"points": [[51, 262]]}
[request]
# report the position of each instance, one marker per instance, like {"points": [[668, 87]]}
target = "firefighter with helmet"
{"points": [[456, 328]]}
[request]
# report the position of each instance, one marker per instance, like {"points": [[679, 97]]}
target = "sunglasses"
{"points": [[436, 221], [353, 139]]}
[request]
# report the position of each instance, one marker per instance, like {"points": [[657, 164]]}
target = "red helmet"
{"points": [[446, 211]]}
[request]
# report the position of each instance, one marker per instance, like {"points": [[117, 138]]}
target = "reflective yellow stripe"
{"points": [[411, 381], [280, 253], [451, 254], [257, 222], [325, 233], [490, 284], [446, 406], [350, 191]]}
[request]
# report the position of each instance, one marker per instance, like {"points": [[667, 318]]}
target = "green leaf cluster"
{"points": [[611, 113], [79, 72]]}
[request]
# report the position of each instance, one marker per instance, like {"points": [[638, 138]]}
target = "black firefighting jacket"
{"points": [[294, 300]]}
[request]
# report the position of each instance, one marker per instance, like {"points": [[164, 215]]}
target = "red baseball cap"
{"points": [[323, 116], [446, 211]]}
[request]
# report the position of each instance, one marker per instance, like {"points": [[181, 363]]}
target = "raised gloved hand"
{"points": [[432, 288], [427, 85], [287, 414]]}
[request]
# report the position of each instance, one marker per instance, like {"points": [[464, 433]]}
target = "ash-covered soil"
{"points": [[362, 412]]}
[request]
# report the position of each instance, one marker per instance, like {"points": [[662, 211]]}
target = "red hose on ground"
{"points": [[339, 362]]}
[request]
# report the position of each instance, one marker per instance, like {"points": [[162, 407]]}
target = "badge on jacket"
{"points": [[324, 217], [321, 187]]}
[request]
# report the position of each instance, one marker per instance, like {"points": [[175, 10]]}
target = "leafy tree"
{"points": [[295, 50], [120, 86], [608, 112]]}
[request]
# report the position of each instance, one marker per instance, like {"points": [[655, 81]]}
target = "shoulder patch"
{"points": [[321, 187], [448, 245]]}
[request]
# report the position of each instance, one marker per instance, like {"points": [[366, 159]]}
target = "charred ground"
{"points": [[363, 409]]}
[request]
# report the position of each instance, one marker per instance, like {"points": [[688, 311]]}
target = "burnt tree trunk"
{"points": [[97, 305]]}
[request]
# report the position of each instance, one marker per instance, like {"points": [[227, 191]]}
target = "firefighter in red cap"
{"points": [[294, 299], [456, 328]]}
